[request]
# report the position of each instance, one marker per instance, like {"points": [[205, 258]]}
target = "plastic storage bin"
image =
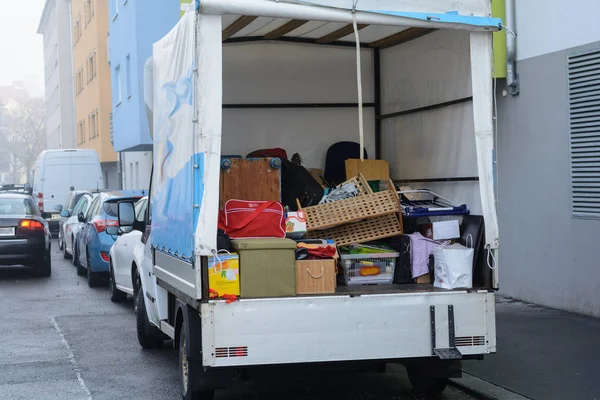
{"points": [[369, 269]]}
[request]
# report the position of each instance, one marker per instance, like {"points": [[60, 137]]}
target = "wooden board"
{"points": [[373, 170], [339, 212], [250, 179], [362, 231]]}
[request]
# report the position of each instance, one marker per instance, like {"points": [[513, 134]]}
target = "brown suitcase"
{"points": [[250, 179]]}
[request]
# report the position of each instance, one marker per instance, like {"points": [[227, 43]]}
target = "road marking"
{"points": [[71, 357]]}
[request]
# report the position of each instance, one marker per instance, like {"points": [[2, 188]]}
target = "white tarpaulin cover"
{"points": [[188, 121]]}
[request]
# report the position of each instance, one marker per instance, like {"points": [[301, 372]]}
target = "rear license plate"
{"points": [[7, 232]]}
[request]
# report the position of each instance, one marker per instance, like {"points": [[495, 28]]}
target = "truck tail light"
{"points": [[40, 203], [31, 224], [102, 224]]}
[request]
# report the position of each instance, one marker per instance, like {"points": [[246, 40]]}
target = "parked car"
{"points": [[72, 226], [126, 255], [24, 233], [58, 172], [67, 206], [93, 243]]}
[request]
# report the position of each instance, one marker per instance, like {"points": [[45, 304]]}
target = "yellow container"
{"points": [[224, 275]]}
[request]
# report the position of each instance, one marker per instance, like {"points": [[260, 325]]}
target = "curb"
{"points": [[484, 390]]}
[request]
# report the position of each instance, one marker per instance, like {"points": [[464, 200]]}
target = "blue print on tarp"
{"points": [[173, 219]]}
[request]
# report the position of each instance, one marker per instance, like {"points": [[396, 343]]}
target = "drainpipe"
{"points": [[512, 79]]}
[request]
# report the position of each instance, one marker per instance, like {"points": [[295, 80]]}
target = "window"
{"points": [[584, 75], [88, 10], [118, 88], [76, 30], [90, 64], [79, 81], [137, 174], [116, 9], [128, 72], [93, 124], [81, 132]]}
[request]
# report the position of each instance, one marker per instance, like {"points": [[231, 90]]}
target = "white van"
{"points": [[58, 172]]}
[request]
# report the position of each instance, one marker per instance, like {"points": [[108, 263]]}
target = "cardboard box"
{"points": [[224, 275], [295, 224], [315, 276], [423, 279]]}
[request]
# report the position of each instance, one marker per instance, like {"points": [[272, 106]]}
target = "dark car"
{"points": [[24, 234], [92, 243], [66, 210]]}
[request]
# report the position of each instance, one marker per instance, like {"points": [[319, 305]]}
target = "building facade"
{"points": [[92, 84], [134, 26], [549, 158], [58, 66]]}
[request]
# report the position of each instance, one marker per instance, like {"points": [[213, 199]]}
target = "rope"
{"points": [[358, 83]]}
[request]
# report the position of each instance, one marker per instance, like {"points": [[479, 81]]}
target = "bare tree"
{"points": [[26, 135]]}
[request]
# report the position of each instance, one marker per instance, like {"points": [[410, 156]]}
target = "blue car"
{"points": [[92, 244]]}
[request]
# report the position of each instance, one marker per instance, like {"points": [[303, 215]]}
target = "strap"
{"points": [[251, 216]]}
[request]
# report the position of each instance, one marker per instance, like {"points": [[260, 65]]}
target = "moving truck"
{"points": [[238, 75], [57, 173]]}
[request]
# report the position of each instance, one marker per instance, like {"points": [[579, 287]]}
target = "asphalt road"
{"points": [[63, 340]]}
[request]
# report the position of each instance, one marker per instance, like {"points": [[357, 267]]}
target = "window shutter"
{"points": [[584, 120]]}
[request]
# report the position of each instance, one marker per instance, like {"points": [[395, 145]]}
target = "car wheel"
{"points": [[93, 278], [423, 383], [45, 269], [137, 284], [116, 296], [66, 255], [149, 336], [188, 373], [61, 243]]}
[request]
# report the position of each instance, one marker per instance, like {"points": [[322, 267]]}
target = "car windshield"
{"points": [[16, 206]]}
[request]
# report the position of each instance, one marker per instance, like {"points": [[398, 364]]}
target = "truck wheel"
{"points": [[423, 383], [188, 372], [116, 296], [149, 336]]}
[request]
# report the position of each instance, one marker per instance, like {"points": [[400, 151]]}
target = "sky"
{"points": [[21, 48]]}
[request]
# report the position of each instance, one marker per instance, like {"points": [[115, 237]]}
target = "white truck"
{"points": [[239, 75]]}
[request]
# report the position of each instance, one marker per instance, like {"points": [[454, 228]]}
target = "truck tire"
{"points": [[423, 382], [188, 372], [149, 336]]}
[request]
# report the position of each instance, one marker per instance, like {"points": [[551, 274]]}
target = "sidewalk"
{"points": [[543, 354]]}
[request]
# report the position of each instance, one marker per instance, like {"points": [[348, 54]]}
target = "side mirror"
{"points": [[65, 214], [81, 217], [58, 207], [46, 215], [112, 230], [126, 215]]}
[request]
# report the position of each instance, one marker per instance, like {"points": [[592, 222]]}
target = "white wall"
{"points": [[546, 26], [294, 73], [437, 143], [136, 168]]}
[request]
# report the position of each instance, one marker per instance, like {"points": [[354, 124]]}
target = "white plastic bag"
{"points": [[453, 267]]}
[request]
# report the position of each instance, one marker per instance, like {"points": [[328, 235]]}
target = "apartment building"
{"points": [[92, 84], [58, 67]]}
